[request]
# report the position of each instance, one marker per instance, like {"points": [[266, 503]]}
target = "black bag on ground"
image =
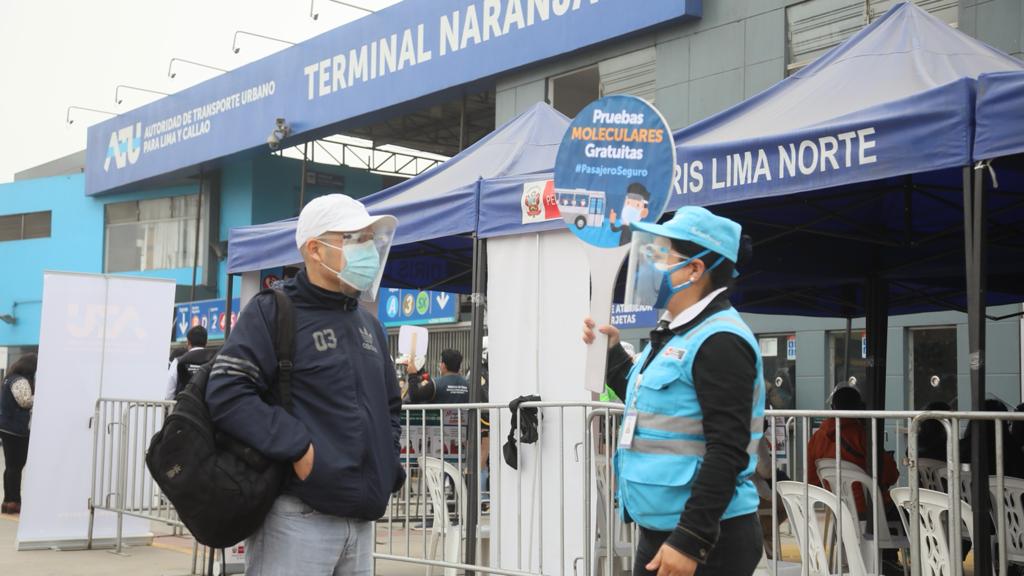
{"points": [[221, 488]]}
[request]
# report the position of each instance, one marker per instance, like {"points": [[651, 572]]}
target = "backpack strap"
{"points": [[284, 345]]}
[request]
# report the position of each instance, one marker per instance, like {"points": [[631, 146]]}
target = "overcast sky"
{"points": [[60, 53]]}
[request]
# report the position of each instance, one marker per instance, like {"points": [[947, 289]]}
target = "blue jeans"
{"points": [[296, 539]]}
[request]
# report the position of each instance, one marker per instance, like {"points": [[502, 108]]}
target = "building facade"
{"points": [[690, 69]]}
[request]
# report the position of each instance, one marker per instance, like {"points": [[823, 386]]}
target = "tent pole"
{"points": [[199, 230], [876, 299], [846, 353], [974, 244], [302, 182], [227, 306], [478, 300]]}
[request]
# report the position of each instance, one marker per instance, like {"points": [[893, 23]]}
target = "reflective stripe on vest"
{"points": [[682, 424], [680, 446]]}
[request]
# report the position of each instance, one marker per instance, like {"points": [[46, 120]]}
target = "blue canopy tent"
{"points": [[437, 210], [853, 177], [852, 167]]}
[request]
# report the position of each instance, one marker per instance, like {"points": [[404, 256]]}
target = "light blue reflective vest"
{"points": [[656, 472]]}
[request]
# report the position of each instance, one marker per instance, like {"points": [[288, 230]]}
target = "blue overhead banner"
{"points": [[210, 314], [406, 51], [1000, 115], [897, 98], [396, 307]]}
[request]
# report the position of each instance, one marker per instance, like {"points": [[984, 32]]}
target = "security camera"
{"points": [[281, 131]]}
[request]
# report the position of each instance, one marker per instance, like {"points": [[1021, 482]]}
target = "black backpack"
{"points": [[221, 488]]}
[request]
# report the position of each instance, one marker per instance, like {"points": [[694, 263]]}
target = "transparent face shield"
{"points": [[366, 255], [383, 233], [650, 258]]}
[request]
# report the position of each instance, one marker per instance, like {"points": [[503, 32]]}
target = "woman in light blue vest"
{"points": [[694, 402]]}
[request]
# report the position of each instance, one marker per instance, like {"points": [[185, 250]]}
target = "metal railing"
{"points": [[571, 454], [120, 481], [526, 521], [905, 443]]}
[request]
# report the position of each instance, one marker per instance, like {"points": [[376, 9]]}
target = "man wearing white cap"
{"points": [[342, 435]]}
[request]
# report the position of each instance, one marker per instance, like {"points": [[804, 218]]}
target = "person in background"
{"points": [[851, 438], [182, 368], [1012, 464], [176, 352], [1017, 433], [931, 434], [417, 386], [17, 395], [450, 388]]}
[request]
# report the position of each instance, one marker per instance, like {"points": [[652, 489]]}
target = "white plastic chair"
{"points": [[1013, 498], [928, 474], [806, 528], [890, 536], [933, 523], [443, 529], [965, 481]]}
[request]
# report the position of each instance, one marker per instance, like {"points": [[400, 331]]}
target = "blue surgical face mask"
{"points": [[666, 291], [362, 263]]}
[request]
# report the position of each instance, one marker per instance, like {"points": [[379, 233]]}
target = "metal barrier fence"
{"points": [[121, 483], [465, 509], [571, 453], [923, 546]]}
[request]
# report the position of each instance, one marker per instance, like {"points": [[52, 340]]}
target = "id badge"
{"points": [[628, 428]]}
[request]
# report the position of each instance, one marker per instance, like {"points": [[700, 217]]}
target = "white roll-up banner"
{"points": [[100, 336]]}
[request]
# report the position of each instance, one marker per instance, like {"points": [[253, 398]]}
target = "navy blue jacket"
{"points": [[13, 418], [345, 399], [451, 389]]}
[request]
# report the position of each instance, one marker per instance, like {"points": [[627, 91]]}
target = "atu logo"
{"points": [[125, 146]]}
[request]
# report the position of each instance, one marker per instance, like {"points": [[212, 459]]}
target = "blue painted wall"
{"points": [[252, 190], [75, 245]]}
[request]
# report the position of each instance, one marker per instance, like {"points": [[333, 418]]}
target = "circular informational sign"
{"points": [[615, 167], [220, 321], [408, 304], [392, 308], [422, 303]]}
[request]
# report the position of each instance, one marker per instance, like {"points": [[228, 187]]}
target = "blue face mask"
{"points": [[666, 291], [630, 214], [362, 263]]}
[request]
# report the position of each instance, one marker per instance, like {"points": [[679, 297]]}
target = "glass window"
{"points": [[855, 374], [156, 234], [36, 225], [814, 27], [25, 226], [571, 92], [932, 366], [10, 227], [778, 357]]}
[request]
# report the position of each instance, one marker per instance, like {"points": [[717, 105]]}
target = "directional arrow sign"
{"points": [[442, 299], [183, 324]]}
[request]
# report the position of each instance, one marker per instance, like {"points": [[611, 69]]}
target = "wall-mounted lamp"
{"points": [[235, 47], [69, 120]]}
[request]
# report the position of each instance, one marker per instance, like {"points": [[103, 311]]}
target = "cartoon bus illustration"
{"points": [[583, 207]]}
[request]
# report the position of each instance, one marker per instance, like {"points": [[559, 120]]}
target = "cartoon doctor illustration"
{"points": [[634, 209]]}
